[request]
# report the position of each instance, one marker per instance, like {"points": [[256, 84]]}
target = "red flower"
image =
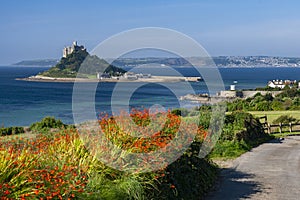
{"points": [[6, 192]]}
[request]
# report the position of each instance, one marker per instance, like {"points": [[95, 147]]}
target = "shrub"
{"points": [[180, 112], [204, 119], [46, 124], [240, 133], [285, 119], [289, 92], [11, 130], [240, 125], [189, 177]]}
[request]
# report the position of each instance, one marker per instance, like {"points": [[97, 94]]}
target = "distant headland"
{"points": [[39, 62]]}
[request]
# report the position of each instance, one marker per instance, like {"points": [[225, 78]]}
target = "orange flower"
{"points": [[6, 192]]}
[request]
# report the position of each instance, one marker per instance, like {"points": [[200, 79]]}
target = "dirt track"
{"points": [[270, 171]]}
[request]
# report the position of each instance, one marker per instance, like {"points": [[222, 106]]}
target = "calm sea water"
{"points": [[22, 102]]}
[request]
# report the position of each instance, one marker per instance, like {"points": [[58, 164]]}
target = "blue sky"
{"points": [[35, 29]]}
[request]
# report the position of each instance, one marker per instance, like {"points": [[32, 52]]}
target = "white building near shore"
{"points": [[281, 84]]}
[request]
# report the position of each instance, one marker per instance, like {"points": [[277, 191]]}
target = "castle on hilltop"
{"points": [[70, 49]]}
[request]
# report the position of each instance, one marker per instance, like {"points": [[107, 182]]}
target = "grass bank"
{"points": [[272, 115]]}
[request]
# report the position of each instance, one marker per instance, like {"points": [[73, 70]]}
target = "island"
{"points": [[94, 69]]}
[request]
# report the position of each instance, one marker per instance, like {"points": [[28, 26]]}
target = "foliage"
{"points": [[11, 130], [93, 64], [241, 132], [285, 119], [289, 92], [189, 177], [204, 119], [230, 149], [288, 99], [245, 126], [180, 112], [267, 88], [46, 124]]}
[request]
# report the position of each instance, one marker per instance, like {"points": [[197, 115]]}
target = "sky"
{"points": [[35, 29]]}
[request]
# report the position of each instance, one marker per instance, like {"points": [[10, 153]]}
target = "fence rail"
{"points": [[292, 127], [279, 128]]}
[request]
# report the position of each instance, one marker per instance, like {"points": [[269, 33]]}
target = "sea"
{"points": [[24, 102]]}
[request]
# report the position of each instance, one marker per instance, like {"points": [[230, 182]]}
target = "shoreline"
{"points": [[153, 79]]}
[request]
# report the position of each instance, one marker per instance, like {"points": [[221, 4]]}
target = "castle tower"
{"points": [[75, 44], [70, 49], [65, 52]]}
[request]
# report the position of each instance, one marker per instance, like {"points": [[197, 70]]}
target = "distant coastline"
{"points": [[220, 61], [39, 62]]}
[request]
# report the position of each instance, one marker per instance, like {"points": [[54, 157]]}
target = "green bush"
{"points": [[204, 119], [11, 130], [241, 132], [189, 177], [285, 119], [246, 126], [46, 124], [289, 92], [180, 112], [288, 99]]}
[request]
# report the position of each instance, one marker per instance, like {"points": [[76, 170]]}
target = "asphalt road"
{"points": [[270, 171]]}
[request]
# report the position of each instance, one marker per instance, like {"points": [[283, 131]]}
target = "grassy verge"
{"points": [[272, 115], [232, 149], [285, 134]]}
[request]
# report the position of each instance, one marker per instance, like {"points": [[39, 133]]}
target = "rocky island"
{"points": [[94, 69]]}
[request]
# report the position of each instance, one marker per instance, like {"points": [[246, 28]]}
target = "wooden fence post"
{"points": [[291, 130], [280, 128], [266, 119], [269, 128]]}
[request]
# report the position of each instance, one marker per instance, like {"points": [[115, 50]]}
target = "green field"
{"points": [[272, 115]]}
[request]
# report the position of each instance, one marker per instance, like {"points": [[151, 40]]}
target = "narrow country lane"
{"points": [[270, 171]]}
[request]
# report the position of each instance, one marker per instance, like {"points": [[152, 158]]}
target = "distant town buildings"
{"points": [[70, 49], [103, 75], [128, 76], [281, 84], [134, 76], [233, 93], [256, 61]]}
